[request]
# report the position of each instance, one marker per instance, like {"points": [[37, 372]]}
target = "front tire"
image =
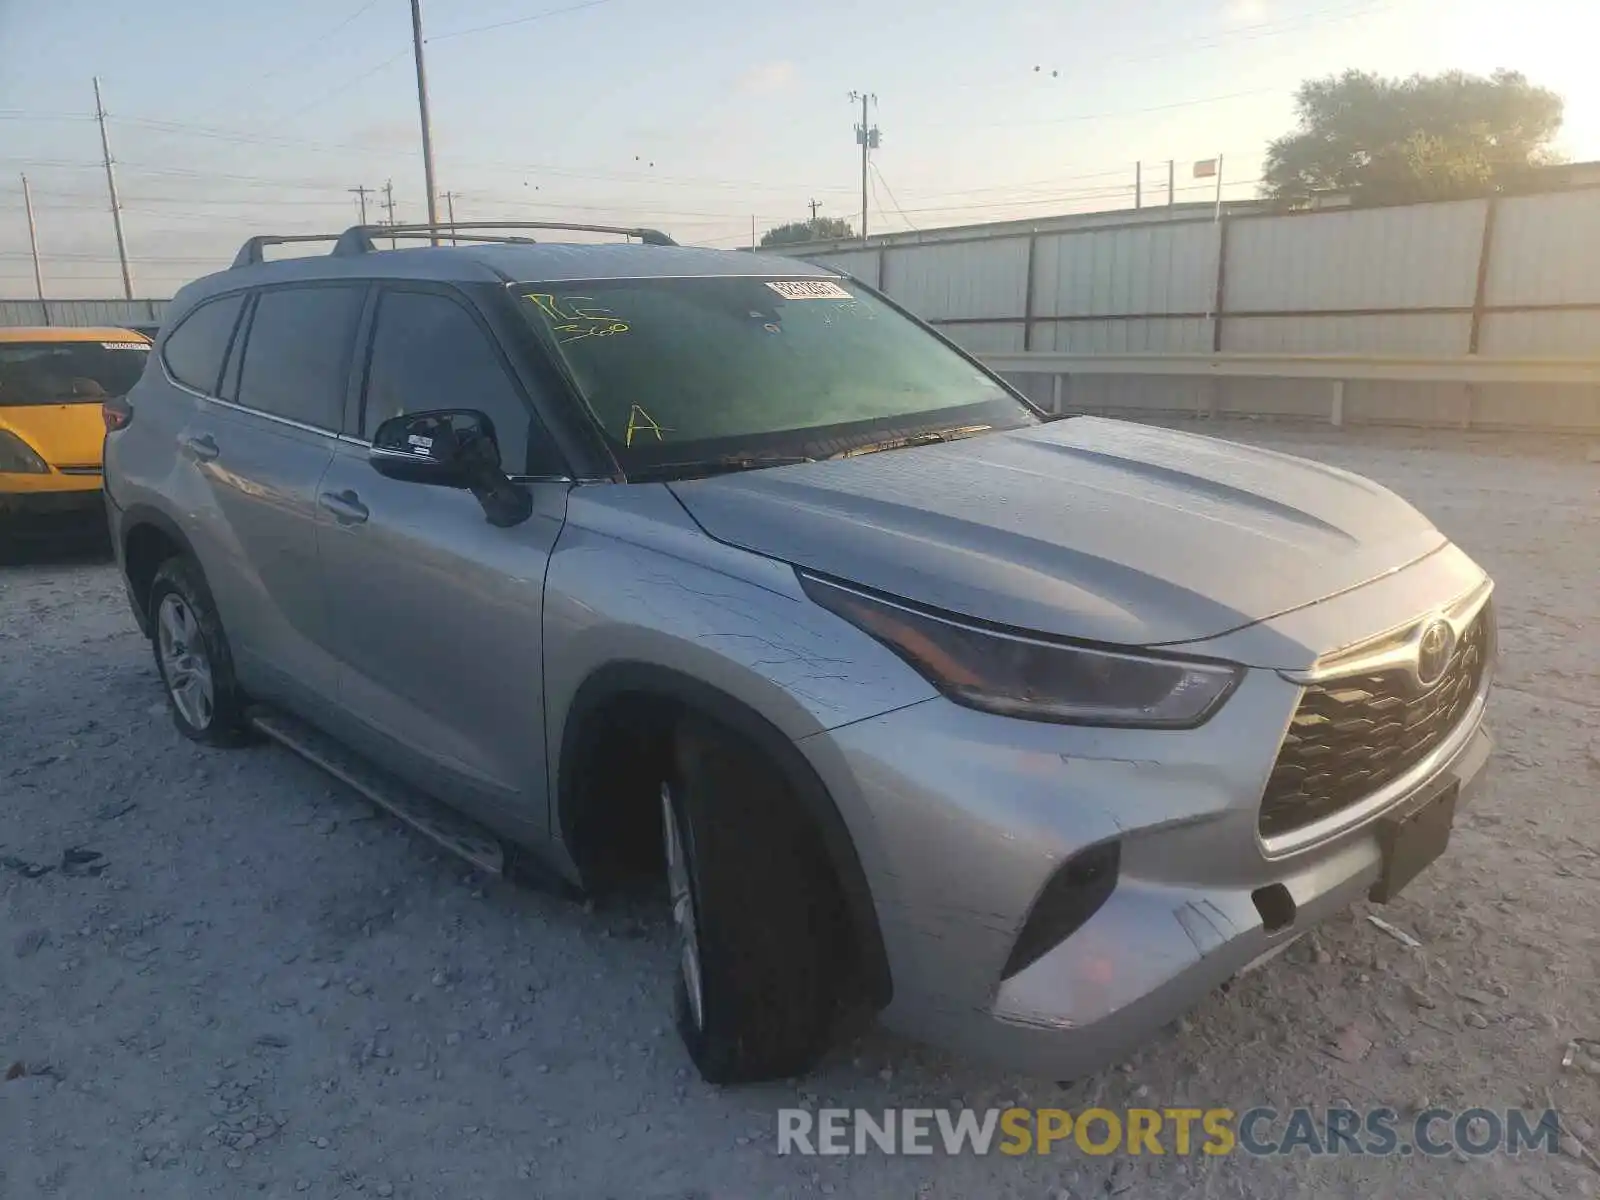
{"points": [[193, 658], [754, 910]]}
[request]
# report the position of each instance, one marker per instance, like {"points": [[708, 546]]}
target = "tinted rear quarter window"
{"points": [[195, 349], [297, 353]]}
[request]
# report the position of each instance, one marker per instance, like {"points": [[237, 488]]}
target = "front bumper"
{"points": [[40, 505], [961, 819], [48, 487]]}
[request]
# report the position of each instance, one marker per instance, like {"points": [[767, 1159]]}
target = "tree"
{"points": [[1423, 138], [817, 229]]}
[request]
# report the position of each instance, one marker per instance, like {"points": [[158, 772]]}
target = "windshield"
{"points": [[680, 370], [68, 372]]}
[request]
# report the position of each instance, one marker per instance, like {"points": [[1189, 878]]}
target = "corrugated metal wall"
{"points": [[81, 312], [863, 264], [1408, 279], [962, 281], [1416, 256], [1403, 280], [1144, 270]]}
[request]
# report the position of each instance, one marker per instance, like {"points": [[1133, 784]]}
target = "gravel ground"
{"points": [[262, 988]]}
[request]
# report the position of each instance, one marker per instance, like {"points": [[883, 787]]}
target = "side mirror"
{"points": [[444, 447], [455, 448]]}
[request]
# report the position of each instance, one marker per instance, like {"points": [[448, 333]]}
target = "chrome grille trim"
{"points": [[1396, 716]]}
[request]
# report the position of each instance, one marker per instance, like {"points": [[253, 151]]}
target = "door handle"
{"points": [[345, 506], [201, 448]]}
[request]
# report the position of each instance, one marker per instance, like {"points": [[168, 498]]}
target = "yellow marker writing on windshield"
{"points": [[639, 419], [546, 304]]}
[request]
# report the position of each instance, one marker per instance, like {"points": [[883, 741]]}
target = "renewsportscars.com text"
{"points": [[1259, 1131]]}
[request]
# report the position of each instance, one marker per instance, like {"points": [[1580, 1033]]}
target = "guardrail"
{"points": [[1336, 369]]}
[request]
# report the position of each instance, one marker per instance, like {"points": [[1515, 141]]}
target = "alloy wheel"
{"points": [[184, 663], [683, 914]]}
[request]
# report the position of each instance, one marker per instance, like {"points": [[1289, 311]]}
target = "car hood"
{"points": [[1087, 528]]}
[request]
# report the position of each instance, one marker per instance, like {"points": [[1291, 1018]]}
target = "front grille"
{"points": [[1352, 735], [77, 469]]}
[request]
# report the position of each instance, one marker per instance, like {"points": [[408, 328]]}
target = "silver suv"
{"points": [[1026, 732]]}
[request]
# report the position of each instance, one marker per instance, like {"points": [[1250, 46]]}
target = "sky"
{"points": [[701, 117]]}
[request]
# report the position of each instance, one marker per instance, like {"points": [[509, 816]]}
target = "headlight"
{"points": [[17, 456], [1035, 679]]}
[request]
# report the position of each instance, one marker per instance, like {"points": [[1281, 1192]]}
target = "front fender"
{"points": [[639, 600], [633, 579]]}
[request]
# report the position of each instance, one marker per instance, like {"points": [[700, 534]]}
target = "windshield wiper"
{"points": [[929, 438], [725, 465]]}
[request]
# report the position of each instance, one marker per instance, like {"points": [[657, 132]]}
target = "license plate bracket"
{"points": [[1411, 840]]}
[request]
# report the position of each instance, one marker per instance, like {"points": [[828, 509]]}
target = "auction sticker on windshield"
{"points": [[809, 289]]}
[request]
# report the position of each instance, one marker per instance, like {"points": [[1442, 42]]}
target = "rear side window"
{"points": [[196, 348], [297, 356], [428, 352], [68, 372]]}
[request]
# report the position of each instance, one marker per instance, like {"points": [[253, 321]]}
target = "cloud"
{"points": [[767, 78], [1239, 11]]}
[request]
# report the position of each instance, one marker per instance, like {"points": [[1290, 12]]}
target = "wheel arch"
{"points": [[147, 537], [618, 683]]}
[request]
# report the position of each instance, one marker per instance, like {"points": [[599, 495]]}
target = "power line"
{"points": [[17, 114], [342, 88], [878, 171], [1262, 30], [245, 180], [1136, 112], [1329, 15], [883, 217], [245, 137], [539, 16], [323, 41]]}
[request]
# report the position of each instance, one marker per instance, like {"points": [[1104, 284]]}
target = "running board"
{"points": [[433, 819]]}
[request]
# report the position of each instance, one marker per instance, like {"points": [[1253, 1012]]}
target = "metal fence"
{"points": [[82, 312], [1514, 277], [1507, 276]]}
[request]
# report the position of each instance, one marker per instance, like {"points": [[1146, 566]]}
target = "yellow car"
{"points": [[52, 384]]}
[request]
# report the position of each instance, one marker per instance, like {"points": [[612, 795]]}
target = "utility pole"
{"points": [[111, 186], [814, 207], [450, 209], [422, 108], [33, 241], [362, 193], [868, 138], [1138, 184], [1172, 181], [388, 204]]}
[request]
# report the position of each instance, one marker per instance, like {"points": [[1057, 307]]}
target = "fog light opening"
{"points": [[1071, 896], [1275, 905]]}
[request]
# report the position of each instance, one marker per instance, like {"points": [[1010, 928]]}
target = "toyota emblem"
{"points": [[1433, 652]]}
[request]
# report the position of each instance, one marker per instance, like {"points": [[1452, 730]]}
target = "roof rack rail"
{"points": [[358, 239], [250, 253]]}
